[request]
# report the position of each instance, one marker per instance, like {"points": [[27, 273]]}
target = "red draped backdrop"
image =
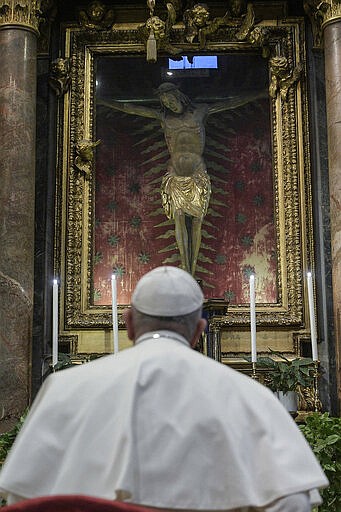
{"points": [[132, 233]]}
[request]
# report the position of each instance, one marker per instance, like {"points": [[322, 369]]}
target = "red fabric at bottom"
{"points": [[73, 503]]}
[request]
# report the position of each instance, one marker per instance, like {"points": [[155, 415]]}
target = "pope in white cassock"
{"points": [[161, 425]]}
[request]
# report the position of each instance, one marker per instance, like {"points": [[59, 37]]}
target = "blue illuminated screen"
{"points": [[199, 62]]}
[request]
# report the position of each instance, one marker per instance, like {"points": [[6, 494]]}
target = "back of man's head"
{"points": [[166, 298], [167, 292]]}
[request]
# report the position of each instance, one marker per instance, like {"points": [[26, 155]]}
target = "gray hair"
{"points": [[184, 324]]}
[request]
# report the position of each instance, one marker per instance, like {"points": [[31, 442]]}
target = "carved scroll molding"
{"points": [[320, 15], [20, 13]]}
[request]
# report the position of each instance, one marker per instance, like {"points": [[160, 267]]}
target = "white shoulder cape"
{"points": [[161, 425]]}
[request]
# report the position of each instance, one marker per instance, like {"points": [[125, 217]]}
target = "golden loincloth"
{"points": [[187, 194]]}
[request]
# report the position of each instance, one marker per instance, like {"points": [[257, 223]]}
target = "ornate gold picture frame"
{"points": [[274, 51]]}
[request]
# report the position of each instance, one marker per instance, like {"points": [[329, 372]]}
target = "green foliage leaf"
{"points": [[285, 374], [7, 438], [323, 433]]}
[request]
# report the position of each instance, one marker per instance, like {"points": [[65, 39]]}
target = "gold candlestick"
{"points": [[254, 374], [317, 404]]}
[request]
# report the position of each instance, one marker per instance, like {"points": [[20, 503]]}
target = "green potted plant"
{"points": [[6, 441], [284, 376], [323, 433]]}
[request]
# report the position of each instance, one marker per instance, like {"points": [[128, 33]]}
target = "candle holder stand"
{"points": [[51, 366], [254, 372], [316, 399]]}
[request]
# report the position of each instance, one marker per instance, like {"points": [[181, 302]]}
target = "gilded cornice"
{"points": [[330, 11], [322, 14], [20, 13]]}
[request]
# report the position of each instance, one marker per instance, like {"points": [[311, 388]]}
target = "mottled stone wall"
{"points": [[17, 165], [15, 332]]}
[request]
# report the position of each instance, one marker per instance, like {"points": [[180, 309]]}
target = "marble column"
{"points": [[18, 57], [332, 49]]}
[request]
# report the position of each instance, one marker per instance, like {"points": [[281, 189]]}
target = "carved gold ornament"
{"points": [[84, 158], [155, 33], [24, 13], [97, 16], [198, 24], [330, 10], [60, 78], [307, 399], [320, 15], [282, 77]]}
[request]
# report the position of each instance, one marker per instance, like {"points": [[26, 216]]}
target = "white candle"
{"points": [[114, 312], [55, 323], [253, 319], [312, 317]]}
